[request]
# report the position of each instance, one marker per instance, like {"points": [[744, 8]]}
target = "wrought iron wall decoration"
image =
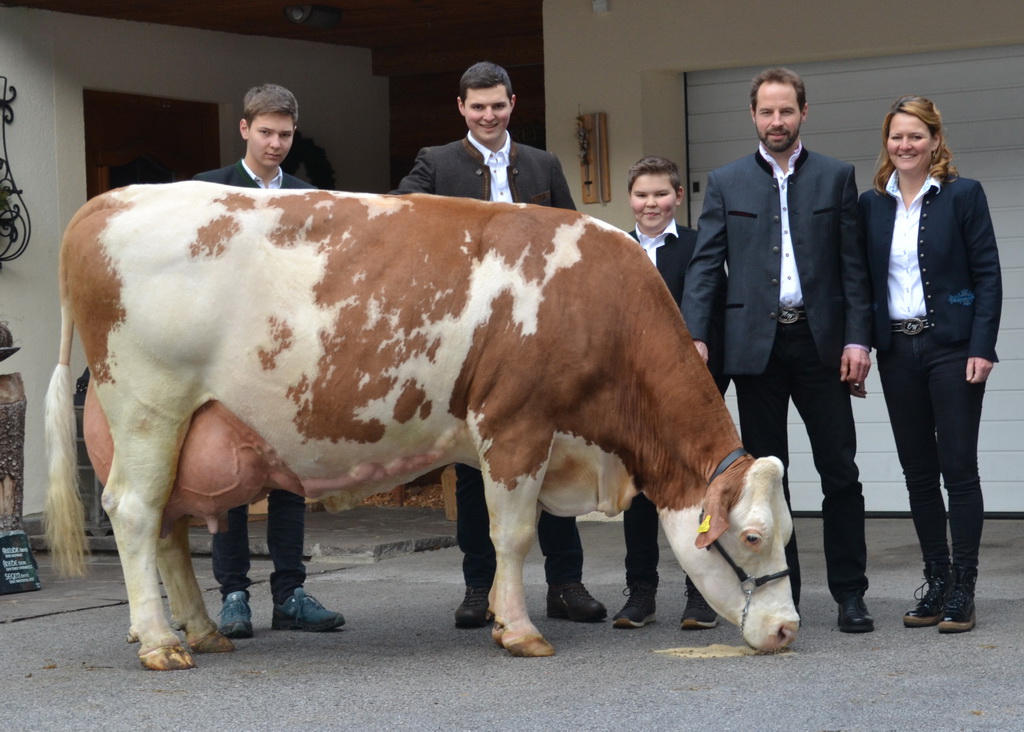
{"points": [[15, 225]]}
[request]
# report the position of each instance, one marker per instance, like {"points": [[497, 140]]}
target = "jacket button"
{"points": [[775, 282], [776, 219], [479, 171], [775, 250]]}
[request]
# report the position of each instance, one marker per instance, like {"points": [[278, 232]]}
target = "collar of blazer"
{"points": [[513, 151], [800, 160]]}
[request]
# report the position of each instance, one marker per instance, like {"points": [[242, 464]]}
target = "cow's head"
{"points": [[754, 533]]}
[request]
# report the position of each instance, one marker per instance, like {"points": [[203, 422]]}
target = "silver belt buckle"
{"points": [[912, 326], [788, 315]]}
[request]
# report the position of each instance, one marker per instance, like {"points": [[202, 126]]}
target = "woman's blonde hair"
{"points": [[942, 168]]}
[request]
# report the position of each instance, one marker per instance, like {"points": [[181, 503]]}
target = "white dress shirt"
{"points": [[651, 244], [906, 291], [790, 293], [498, 163], [274, 183]]}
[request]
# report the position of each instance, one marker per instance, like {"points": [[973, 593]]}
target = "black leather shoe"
{"points": [[474, 612], [853, 616], [572, 601]]}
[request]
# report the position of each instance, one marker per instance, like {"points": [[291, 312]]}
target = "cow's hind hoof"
{"points": [[215, 642], [167, 658], [530, 646]]}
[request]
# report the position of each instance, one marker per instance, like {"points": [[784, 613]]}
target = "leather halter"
{"points": [[726, 462], [747, 583]]}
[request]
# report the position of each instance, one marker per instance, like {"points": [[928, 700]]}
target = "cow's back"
{"points": [[318, 318]]}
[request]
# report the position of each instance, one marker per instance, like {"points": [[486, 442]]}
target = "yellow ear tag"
{"points": [[705, 525]]}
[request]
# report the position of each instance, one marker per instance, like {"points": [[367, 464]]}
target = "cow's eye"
{"points": [[753, 539]]}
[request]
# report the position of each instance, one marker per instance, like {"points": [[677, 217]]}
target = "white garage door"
{"points": [[981, 95]]}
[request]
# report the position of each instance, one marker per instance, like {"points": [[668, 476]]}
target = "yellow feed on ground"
{"points": [[716, 650]]}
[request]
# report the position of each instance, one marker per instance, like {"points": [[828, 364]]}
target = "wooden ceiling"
{"points": [[406, 36]]}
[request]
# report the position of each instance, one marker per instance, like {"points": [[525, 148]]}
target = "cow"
{"points": [[337, 345]]}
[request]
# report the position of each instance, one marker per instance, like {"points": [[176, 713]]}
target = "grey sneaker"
{"points": [[235, 616], [639, 608], [303, 612], [697, 615]]}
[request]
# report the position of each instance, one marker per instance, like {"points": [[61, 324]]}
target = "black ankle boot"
{"points": [[931, 596], [958, 613]]}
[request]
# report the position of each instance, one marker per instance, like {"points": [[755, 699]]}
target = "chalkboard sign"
{"points": [[20, 571]]}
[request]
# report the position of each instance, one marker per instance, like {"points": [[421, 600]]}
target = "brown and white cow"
{"points": [[337, 345]]}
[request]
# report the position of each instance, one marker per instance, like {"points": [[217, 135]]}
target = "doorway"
{"points": [[132, 138]]}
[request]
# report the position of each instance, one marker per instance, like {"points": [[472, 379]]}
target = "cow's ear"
{"points": [[721, 495], [714, 523]]}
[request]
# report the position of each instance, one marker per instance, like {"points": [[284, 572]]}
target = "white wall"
{"points": [[621, 62], [980, 92], [51, 57]]}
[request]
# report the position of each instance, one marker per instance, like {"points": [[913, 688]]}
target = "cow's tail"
{"points": [[65, 516]]}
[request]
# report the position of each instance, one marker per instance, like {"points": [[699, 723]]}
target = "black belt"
{"points": [[910, 326], [788, 316]]}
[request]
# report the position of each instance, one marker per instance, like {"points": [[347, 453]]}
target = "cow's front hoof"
{"points": [[530, 646], [214, 642], [167, 658]]}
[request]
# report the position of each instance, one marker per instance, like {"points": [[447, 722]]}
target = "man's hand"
{"points": [[978, 369], [854, 369], [702, 349]]}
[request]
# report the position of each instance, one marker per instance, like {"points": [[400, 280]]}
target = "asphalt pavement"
{"points": [[400, 664]]}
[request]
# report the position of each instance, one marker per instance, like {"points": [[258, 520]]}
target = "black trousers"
{"points": [[935, 416], [558, 536], [795, 372], [286, 522]]}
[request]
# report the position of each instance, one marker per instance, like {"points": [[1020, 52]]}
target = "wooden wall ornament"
{"points": [[19, 571], [592, 137]]}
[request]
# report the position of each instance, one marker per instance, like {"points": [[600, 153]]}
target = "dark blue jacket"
{"points": [[739, 249], [959, 265]]}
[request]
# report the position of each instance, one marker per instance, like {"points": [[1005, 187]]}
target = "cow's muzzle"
{"points": [[748, 583]]}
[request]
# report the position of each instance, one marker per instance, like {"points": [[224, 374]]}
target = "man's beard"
{"points": [[785, 144]]}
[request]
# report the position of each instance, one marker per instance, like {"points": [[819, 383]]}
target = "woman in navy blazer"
{"points": [[937, 298]]}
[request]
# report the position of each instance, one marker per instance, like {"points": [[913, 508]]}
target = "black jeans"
{"points": [[935, 416], [640, 530], [286, 522], [795, 372], [558, 536]]}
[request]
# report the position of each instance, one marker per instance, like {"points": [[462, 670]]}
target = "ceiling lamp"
{"points": [[318, 16]]}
